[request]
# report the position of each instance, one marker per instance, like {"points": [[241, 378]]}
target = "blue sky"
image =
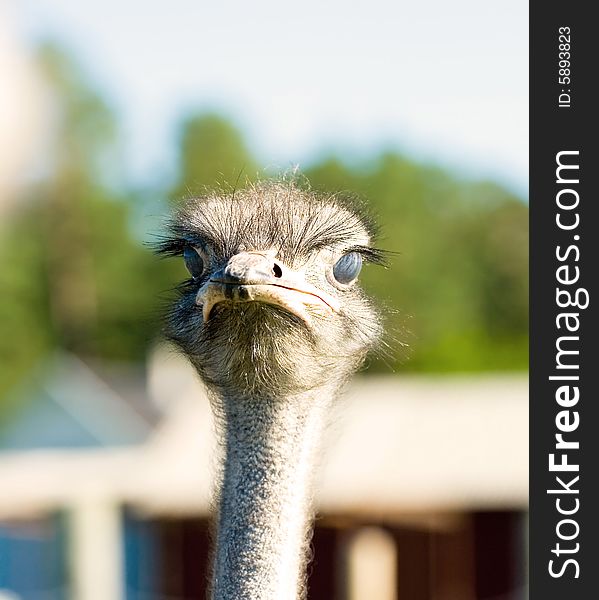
{"points": [[443, 81]]}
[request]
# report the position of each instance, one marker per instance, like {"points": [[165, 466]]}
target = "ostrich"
{"points": [[274, 322]]}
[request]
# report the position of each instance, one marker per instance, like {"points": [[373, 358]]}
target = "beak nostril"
{"points": [[277, 271]]}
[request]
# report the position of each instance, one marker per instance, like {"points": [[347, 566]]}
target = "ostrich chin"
{"points": [[270, 342]]}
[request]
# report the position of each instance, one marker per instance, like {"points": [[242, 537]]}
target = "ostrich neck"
{"points": [[265, 510]]}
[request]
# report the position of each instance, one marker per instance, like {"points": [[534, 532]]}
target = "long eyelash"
{"points": [[372, 255], [174, 246], [166, 245], [168, 248]]}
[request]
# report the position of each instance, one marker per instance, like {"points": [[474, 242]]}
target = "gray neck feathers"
{"points": [[265, 512]]}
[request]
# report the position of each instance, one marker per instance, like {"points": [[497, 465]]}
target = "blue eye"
{"points": [[193, 262], [348, 267]]}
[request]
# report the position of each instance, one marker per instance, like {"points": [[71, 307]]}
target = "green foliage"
{"points": [[86, 133], [24, 320], [211, 152], [73, 276]]}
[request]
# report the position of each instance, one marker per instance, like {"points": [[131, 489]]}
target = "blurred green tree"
{"points": [[71, 275], [212, 154]]}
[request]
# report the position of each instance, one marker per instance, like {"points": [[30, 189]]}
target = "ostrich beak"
{"points": [[258, 277]]}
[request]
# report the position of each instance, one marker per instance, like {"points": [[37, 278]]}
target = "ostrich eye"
{"points": [[348, 267], [193, 262]]}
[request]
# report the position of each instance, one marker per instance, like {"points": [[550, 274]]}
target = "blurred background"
{"points": [[109, 113]]}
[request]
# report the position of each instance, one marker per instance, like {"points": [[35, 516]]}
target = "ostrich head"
{"points": [[272, 305], [274, 321]]}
